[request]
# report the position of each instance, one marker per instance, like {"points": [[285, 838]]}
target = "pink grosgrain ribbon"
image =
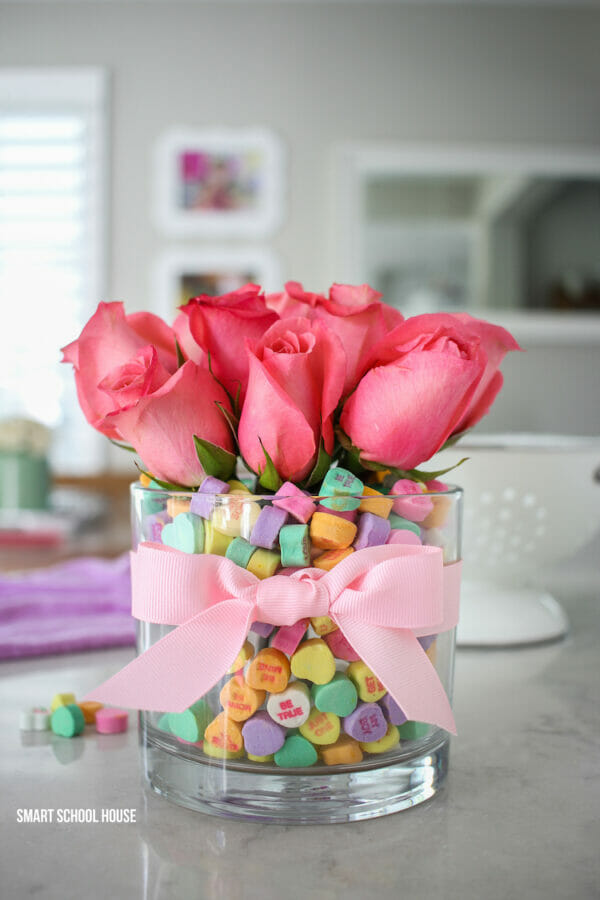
{"points": [[382, 598]]}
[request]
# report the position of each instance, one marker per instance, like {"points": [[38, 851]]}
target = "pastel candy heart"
{"points": [[62, 700], [294, 545], [35, 719], [269, 671], [246, 653], [372, 531], [403, 536], [262, 628], [331, 558], [413, 731], [367, 722], [260, 759], [217, 752], [240, 552], [288, 637], [313, 660], [437, 517], [294, 501], [345, 751], [177, 505], [323, 625], [296, 753], [236, 515], [290, 708], [89, 708], [264, 563], [341, 647], [416, 507], [203, 502], [191, 723], [341, 489], [426, 641], [329, 532], [400, 523], [223, 734], [375, 502], [390, 739], [350, 515], [215, 542], [262, 736], [267, 527], [321, 727], [369, 687], [239, 700], [338, 696], [185, 533], [163, 723], [392, 711], [67, 721]]}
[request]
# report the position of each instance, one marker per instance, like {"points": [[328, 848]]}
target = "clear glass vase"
{"points": [[299, 729]]}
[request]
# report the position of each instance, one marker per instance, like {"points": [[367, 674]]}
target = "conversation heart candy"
{"points": [[290, 708], [262, 628], [288, 637], [345, 751], [366, 723], [62, 700], [340, 646], [294, 545], [218, 752], [369, 687], [240, 551], [438, 515], [204, 501], [236, 515], [67, 720], [294, 501], [338, 696], [89, 708], [262, 736], [401, 536], [296, 753], [223, 734], [177, 505], [329, 532], [391, 710], [264, 563], [215, 542], [190, 724], [246, 653], [399, 523], [185, 533], [111, 721], [260, 759], [163, 723], [390, 739], [314, 661], [153, 525], [331, 558], [239, 700], [341, 489], [372, 531], [414, 731], [323, 625], [375, 502], [269, 671], [239, 486], [350, 515], [35, 719], [321, 727], [267, 527], [416, 507]]}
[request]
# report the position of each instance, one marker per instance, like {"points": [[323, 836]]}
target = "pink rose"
{"points": [[354, 313], [161, 425], [221, 325], [430, 377], [296, 377], [141, 342]]}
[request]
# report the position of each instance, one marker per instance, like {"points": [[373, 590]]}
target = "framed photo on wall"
{"points": [[219, 183], [183, 274]]}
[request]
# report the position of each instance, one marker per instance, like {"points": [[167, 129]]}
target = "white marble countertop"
{"points": [[518, 817]]}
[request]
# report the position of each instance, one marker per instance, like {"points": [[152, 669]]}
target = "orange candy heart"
{"points": [[224, 734], [269, 671], [239, 700]]}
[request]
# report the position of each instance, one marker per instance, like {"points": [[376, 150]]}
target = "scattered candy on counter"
{"points": [[67, 718], [306, 697]]}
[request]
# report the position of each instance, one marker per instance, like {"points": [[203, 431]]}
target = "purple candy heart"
{"points": [[392, 711], [366, 723], [203, 502], [426, 641], [262, 736], [262, 628], [267, 527], [372, 531]]}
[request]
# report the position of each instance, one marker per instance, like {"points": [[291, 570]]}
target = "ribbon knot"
{"points": [[381, 598]]}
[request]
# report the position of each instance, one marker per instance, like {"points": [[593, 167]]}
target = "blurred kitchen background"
{"points": [[447, 153]]}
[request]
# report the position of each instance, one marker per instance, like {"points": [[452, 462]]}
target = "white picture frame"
{"points": [[221, 268], [219, 183]]}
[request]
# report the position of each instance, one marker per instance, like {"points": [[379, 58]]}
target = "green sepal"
{"points": [[269, 477], [214, 460], [123, 446], [321, 467], [180, 356], [420, 475], [230, 418], [165, 485]]}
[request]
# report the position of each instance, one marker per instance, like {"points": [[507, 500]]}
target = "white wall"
{"points": [[321, 74]]}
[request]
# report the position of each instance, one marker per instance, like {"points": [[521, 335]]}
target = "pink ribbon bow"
{"points": [[382, 598]]}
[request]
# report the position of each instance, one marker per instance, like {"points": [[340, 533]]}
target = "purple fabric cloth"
{"points": [[81, 604]]}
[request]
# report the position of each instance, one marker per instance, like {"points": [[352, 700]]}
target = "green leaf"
{"points": [[123, 446], [215, 461], [230, 418], [180, 356], [165, 485], [321, 467], [269, 477], [419, 475]]}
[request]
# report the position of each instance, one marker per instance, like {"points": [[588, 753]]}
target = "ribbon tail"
{"points": [[182, 666], [400, 663]]}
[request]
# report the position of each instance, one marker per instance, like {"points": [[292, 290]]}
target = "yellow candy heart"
{"points": [[321, 728], [323, 625], [366, 682], [390, 739], [313, 660], [246, 653]]}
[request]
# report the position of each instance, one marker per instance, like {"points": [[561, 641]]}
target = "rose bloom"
{"points": [[354, 313], [433, 376], [296, 378], [221, 325]]}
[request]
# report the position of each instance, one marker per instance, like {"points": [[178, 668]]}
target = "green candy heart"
{"points": [[341, 490], [67, 721], [191, 724], [412, 731], [400, 524], [338, 696], [185, 532], [163, 723], [296, 753]]}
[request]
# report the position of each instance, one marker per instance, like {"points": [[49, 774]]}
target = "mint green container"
{"points": [[24, 480]]}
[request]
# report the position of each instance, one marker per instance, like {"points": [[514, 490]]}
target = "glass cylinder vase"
{"points": [[298, 727]]}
